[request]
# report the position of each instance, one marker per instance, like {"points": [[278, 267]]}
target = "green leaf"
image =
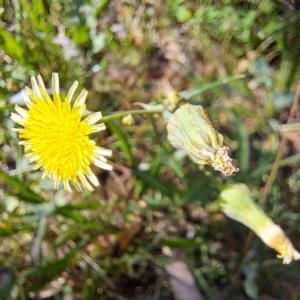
{"points": [[66, 212], [101, 8], [36, 248], [115, 128], [7, 279], [80, 34], [250, 284], [260, 68], [152, 181], [241, 87], [63, 238], [182, 14], [175, 165], [283, 100], [12, 228], [5, 108], [38, 8], [36, 13], [188, 94], [44, 274], [293, 68], [99, 42], [178, 243], [263, 169], [210, 293], [22, 191], [50, 209], [45, 209], [11, 46]]}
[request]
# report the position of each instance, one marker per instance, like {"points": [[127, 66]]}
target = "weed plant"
{"points": [[237, 59]]}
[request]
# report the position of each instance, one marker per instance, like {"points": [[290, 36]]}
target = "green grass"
{"points": [[239, 60]]}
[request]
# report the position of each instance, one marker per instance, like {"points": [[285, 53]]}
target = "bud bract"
{"points": [[189, 128], [236, 202]]}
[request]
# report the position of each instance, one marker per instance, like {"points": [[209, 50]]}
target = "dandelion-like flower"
{"points": [[189, 128], [55, 136]]}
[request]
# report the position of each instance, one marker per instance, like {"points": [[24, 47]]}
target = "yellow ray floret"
{"points": [[56, 138]]}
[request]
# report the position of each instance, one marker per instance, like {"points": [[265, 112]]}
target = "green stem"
{"points": [[122, 114], [220, 186]]}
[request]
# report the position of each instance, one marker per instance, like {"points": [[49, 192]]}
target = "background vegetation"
{"points": [[239, 59]]}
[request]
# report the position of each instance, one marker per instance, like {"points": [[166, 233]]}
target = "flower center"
{"points": [[56, 134]]}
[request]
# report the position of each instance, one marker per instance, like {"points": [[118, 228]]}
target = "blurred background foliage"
{"points": [[239, 59]]}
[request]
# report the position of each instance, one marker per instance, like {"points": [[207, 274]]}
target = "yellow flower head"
{"points": [[56, 138]]}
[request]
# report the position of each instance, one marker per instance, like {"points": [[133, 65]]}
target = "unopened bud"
{"points": [[128, 120], [172, 101], [236, 202], [190, 129]]}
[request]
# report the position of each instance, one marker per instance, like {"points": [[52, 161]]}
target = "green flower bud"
{"points": [[172, 101], [128, 120], [236, 202], [189, 128]]}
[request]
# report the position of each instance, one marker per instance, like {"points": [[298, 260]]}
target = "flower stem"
{"points": [[217, 184], [122, 114]]}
